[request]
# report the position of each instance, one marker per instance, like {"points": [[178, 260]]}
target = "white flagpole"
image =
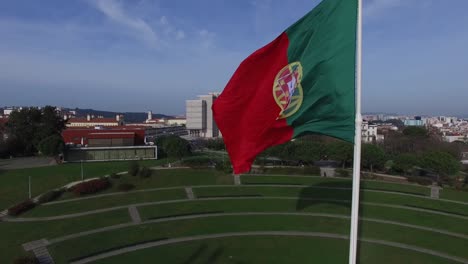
{"points": [[353, 238]]}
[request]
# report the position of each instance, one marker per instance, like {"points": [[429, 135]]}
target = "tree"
{"points": [[173, 146], [133, 168], [340, 151], [372, 155], [22, 126], [415, 131], [404, 163], [3, 148], [51, 145], [215, 144], [441, 163], [29, 126]]}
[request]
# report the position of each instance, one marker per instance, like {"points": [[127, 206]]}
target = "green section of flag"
{"points": [[324, 42]]}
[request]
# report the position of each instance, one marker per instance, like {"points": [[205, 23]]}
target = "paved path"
{"points": [[189, 192], [134, 214], [237, 180], [42, 254], [26, 162], [39, 249], [264, 233], [66, 216]]}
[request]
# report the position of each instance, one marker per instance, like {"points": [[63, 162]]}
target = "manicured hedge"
{"points": [[342, 173], [92, 186], [21, 208], [309, 170], [114, 175], [198, 162], [420, 180], [49, 196]]}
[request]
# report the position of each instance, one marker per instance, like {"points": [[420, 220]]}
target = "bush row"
{"points": [[198, 162], [21, 208], [92, 186], [49, 196], [309, 170]]}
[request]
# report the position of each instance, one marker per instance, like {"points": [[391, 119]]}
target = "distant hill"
{"points": [[129, 117]]}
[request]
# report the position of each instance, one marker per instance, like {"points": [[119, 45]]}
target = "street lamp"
{"points": [[82, 177]]}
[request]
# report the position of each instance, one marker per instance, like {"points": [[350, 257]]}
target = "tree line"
{"points": [[31, 131], [412, 152]]}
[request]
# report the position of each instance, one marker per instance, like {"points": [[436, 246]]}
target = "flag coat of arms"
{"points": [[301, 82]]}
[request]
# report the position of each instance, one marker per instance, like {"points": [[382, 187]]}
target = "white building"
{"points": [[369, 133], [199, 117]]}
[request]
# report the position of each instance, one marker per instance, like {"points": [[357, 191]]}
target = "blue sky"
{"points": [[139, 55]]}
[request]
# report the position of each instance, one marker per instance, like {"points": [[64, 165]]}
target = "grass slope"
{"points": [[14, 187], [261, 249], [14, 234]]}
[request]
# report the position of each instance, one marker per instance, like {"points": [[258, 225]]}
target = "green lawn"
{"points": [[442, 222], [271, 249], [452, 194], [242, 249], [79, 247], [14, 234], [334, 182], [14, 187], [92, 244], [105, 202], [169, 178], [309, 192]]}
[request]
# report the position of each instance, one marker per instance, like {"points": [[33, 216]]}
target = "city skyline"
{"points": [[154, 55]]}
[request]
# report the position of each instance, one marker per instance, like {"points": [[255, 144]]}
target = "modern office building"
{"points": [[200, 121]]}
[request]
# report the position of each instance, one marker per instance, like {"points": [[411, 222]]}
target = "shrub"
{"points": [[420, 180], [342, 173], [125, 187], [92, 186], [133, 168], [21, 208], [115, 175], [145, 172], [50, 196], [197, 162], [26, 260]]}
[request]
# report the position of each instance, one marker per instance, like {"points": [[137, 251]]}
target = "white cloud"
{"points": [[374, 8], [163, 20], [114, 11], [207, 38], [180, 34]]}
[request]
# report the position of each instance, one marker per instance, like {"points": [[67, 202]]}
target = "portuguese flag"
{"points": [[302, 82]]}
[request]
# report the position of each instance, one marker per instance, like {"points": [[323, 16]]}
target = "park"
{"points": [[193, 214]]}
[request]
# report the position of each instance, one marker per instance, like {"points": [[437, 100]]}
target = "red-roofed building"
{"points": [[115, 136]]}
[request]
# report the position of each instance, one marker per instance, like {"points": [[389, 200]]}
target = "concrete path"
{"points": [[134, 214], [189, 192], [39, 249], [265, 233], [66, 216], [237, 180]]}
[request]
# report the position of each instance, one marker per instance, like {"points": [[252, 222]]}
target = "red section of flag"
{"points": [[246, 111]]}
